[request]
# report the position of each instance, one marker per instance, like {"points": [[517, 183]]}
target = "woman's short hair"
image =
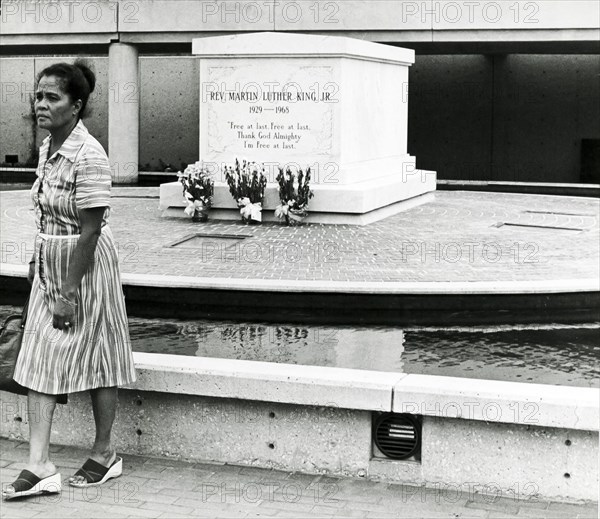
{"points": [[77, 80]]}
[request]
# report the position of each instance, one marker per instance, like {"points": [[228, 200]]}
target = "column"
{"points": [[123, 112]]}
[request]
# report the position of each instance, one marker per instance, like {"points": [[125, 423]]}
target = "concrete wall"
{"points": [[449, 115], [28, 22], [17, 129], [544, 106], [476, 456], [18, 133], [515, 117], [471, 117], [168, 108]]}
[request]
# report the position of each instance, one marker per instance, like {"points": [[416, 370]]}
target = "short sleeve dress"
{"points": [[96, 350]]}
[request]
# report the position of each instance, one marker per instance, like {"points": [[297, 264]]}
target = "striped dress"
{"points": [[96, 350]]}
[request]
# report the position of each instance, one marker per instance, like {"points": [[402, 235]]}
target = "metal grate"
{"points": [[398, 436]]}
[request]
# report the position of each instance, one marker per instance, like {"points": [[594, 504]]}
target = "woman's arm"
{"points": [[81, 260]]}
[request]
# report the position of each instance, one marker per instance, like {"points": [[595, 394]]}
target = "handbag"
{"points": [[11, 336]]}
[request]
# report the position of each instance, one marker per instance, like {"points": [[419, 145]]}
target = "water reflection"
{"points": [[548, 354], [313, 346], [544, 354]]}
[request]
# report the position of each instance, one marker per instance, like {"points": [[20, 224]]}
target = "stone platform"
{"points": [[539, 252], [548, 240], [362, 203]]}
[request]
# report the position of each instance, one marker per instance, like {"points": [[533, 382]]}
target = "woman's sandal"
{"points": [[95, 473], [28, 484]]}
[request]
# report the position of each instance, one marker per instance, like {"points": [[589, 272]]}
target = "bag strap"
{"points": [[25, 312]]}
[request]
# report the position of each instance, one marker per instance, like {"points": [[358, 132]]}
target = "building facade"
{"points": [[504, 90]]}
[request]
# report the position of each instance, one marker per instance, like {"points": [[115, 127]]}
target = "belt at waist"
{"points": [[44, 236]]}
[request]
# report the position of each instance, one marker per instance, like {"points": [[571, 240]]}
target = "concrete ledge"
{"points": [[537, 188], [4, 169], [62, 39], [552, 286], [538, 405], [317, 217], [155, 178], [349, 287], [278, 44], [265, 381], [499, 401], [448, 397], [516, 184]]}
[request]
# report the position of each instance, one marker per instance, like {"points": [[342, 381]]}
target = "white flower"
{"points": [[281, 211], [251, 211], [192, 206]]}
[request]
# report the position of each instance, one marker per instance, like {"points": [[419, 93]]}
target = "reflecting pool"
{"points": [[559, 354]]}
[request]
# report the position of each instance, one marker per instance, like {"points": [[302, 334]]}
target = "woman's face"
{"points": [[54, 108]]}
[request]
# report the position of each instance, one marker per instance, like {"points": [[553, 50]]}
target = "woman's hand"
{"points": [[83, 256], [64, 315], [31, 273]]}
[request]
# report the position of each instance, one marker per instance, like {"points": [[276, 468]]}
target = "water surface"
{"points": [[545, 354]]}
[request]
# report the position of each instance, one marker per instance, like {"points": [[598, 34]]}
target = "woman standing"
{"points": [[76, 336]]}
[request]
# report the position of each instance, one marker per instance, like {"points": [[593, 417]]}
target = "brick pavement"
{"points": [[454, 238], [153, 487]]}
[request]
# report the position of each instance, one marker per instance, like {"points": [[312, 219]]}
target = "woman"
{"points": [[76, 336]]}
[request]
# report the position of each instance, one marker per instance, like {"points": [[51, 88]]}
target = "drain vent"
{"points": [[398, 436]]}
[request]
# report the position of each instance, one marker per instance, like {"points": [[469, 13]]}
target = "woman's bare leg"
{"points": [[104, 406], [104, 403], [40, 411]]}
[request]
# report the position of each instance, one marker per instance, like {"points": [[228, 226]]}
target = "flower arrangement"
{"points": [[247, 183], [294, 203], [198, 189]]}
